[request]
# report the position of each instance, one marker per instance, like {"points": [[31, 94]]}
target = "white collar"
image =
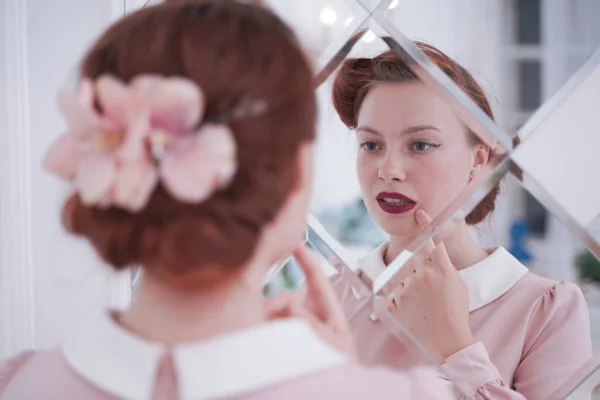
{"points": [[125, 365], [487, 280]]}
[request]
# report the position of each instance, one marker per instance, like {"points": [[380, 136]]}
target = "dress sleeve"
{"points": [[558, 343], [475, 376], [426, 384], [9, 368]]}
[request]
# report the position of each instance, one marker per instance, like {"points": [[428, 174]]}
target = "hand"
{"points": [[319, 305], [432, 301]]}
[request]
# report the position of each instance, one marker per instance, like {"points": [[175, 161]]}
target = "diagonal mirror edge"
{"points": [[581, 384], [371, 5], [337, 51], [365, 303], [434, 75], [386, 317], [532, 186], [332, 243], [576, 80], [396, 329], [458, 208], [276, 268], [329, 245], [344, 275], [339, 48]]}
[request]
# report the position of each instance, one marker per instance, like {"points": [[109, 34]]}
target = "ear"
{"points": [[480, 157]]}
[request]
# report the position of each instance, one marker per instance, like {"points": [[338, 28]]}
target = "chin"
{"points": [[397, 225]]}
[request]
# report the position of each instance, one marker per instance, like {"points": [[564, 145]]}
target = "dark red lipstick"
{"points": [[395, 203]]}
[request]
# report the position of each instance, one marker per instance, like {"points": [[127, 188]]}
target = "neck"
{"points": [[461, 248], [166, 315]]}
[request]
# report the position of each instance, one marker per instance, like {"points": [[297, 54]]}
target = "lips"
{"points": [[395, 203]]}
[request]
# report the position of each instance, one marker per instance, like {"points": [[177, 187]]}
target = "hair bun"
{"points": [[351, 79], [361, 63]]}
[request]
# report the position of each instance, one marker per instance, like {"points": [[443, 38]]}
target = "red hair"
{"points": [[357, 76], [232, 51]]}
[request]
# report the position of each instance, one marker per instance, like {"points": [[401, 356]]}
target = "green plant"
{"points": [[588, 266]]}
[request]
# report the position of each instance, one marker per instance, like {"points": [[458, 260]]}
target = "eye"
{"points": [[370, 146], [421, 146]]}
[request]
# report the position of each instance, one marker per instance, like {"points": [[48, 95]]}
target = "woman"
{"points": [[190, 150], [499, 331]]}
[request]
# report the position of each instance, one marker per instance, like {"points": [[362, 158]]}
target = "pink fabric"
{"points": [[531, 340], [10, 367], [46, 375]]}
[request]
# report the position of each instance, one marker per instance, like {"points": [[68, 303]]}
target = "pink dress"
{"points": [[278, 360], [533, 333]]}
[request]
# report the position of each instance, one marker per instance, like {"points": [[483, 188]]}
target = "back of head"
{"points": [[235, 52]]}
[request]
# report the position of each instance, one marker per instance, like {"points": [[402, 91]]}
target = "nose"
{"points": [[391, 169]]}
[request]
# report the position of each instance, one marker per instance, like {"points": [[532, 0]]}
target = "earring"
{"points": [[472, 176]]}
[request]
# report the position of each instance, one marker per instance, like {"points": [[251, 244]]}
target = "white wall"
{"points": [[48, 281]]}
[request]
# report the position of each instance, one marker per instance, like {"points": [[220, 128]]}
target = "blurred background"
{"points": [[521, 51]]}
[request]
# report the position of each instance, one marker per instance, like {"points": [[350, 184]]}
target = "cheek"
{"points": [[366, 170], [438, 184]]}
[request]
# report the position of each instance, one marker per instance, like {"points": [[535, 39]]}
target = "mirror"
{"points": [[534, 62], [513, 50]]}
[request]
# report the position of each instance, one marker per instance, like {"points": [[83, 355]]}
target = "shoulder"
{"points": [[559, 313], [9, 368], [547, 294], [26, 364], [551, 295]]}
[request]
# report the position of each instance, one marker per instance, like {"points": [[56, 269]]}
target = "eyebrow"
{"points": [[412, 129]]}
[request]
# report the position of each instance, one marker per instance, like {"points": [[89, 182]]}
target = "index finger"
{"points": [[424, 221], [319, 289], [440, 257]]}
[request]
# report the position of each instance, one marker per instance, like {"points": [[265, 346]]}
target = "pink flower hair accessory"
{"points": [[146, 133]]}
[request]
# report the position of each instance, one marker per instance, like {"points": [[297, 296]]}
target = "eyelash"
{"points": [[364, 145], [430, 145]]}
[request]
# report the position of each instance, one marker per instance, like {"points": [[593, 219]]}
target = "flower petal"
{"points": [[186, 172], [118, 101], [133, 146], [95, 177], [176, 104], [80, 120], [219, 142], [134, 185], [85, 94], [63, 156], [107, 200], [144, 83]]}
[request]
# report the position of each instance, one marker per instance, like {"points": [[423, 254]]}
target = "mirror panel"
{"points": [[524, 54]]}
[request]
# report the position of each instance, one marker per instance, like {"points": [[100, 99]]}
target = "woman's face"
{"points": [[414, 152]]}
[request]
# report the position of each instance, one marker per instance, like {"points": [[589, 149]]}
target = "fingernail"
{"points": [[420, 213]]}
